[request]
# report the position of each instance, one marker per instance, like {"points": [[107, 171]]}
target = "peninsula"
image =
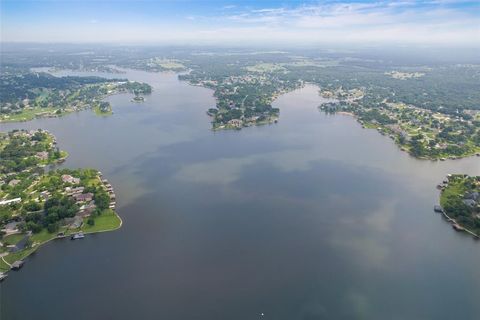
{"points": [[460, 202], [27, 95], [37, 205], [423, 133]]}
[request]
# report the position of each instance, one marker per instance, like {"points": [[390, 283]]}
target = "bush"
{"points": [[52, 227], [34, 227]]}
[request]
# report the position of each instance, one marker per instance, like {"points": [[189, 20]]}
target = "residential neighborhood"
{"points": [[37, 206], [423, 133], [460, 202]]}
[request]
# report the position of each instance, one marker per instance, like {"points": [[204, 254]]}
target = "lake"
{"points": [[311, 218]]}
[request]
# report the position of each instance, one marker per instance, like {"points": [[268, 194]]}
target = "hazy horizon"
{"points": [[441, 23]]}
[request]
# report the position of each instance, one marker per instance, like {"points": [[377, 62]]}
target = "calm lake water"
{"points": [[310, 218]]}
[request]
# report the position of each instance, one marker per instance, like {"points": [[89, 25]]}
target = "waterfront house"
{"points": [[42, 155], [73, 191], [69, 179], [87, 210], [237, 123], [83, 197]]}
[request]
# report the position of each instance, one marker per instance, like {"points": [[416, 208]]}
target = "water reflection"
{"points": [[310, 218]]}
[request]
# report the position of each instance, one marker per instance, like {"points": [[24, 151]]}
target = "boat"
{"points": [[138, 99], [60, 235], [78, 235]]}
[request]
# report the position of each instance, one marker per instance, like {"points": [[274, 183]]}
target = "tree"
{"points": [[52, 227], [34, 227], [28, 243], [32, 206], [102, 200]]}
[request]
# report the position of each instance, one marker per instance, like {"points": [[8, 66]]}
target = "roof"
{"points": [[470, 202], [15, 200], [83, 196], [17, 264]]}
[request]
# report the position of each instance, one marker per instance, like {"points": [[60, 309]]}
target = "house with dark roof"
{"points": [[83, 197]]}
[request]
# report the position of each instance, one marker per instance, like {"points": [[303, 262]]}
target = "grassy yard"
{"points": [[20, 255], [42, 236], [454, 189], [13, 239], [265, 67], [169, 64], [108, 220], [26, 115], [98, 112], [3, 266]]}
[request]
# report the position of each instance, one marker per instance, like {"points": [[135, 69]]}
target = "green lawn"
{"points": [[43, 236], [26, 115], [20, 255], [98, 112], [265, 67], [13, 239], [108, 220], [3, 266], [454, 189]]}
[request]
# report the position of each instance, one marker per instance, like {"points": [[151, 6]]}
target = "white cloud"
{"points": [[426, 22], [405, 21]]}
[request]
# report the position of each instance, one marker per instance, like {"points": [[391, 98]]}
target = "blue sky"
{"points": [[241, 22]]}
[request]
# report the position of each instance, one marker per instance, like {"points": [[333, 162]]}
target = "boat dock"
{"points": [[454, 223], [17, 265]]}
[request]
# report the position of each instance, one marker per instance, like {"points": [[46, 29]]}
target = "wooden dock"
{"points": [[454, 223]]}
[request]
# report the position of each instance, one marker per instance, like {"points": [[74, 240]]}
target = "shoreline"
{"points": [[455, 225], [455, 189], [42, 114], [38, 246], [402, 147], [103, 218]]}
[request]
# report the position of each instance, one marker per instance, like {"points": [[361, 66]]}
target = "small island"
{"points": [[139, 89], [103, 108], [460, 202], [37, 205]]}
